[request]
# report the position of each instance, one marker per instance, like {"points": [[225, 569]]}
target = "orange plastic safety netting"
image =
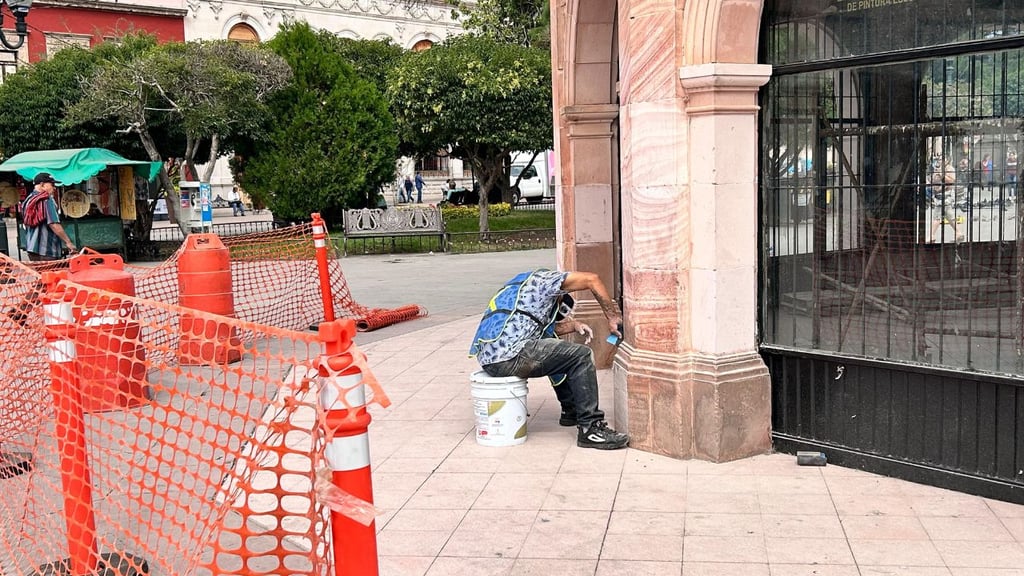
{"points": [[274, 278], [139, 437]]}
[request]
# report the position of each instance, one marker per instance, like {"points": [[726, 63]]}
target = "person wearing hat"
{"points": [[46, 240], [517, 336]]}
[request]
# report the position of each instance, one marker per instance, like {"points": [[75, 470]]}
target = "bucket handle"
{"points": [[88, 257]]}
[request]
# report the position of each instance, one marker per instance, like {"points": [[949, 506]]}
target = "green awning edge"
{"points": [[74, 165]]}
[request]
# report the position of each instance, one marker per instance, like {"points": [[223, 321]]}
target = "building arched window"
{"points": [[243, 33], [422, 45]]}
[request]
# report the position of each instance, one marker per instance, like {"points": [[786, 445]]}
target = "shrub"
{"points": [[457, 212]]}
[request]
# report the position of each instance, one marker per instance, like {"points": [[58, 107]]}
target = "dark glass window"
{"points": [[889, 186], [821, 30]]}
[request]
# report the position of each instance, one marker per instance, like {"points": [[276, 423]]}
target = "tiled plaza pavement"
{"points": [[548, 508]]}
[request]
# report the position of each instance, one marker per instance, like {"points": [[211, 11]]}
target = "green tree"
{"points": [[41, 93], [211, 89], [522, 22], [330, 141], [480, 98]]}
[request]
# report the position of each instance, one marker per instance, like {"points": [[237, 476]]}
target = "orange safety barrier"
{"points": [[274, 281], [222, 469], [204, 283]]}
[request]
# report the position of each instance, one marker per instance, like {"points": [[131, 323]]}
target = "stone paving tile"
{"points": [[793, 550], [802, 526], [664, 523], [448, 566], [730, 569], [724, 503], [965, 528], [650, 547], [966, 553], [896, 553], [704, 524], [744, 549], [582, 492], [636, 568], [654, 493], [809, 504], [814, 570], [903, 571], [411, 542], [404, 565], [566, 534], [549, 567], [883, 528]]}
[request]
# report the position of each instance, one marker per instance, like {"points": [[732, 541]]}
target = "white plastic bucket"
{"points": [[499, 405]]}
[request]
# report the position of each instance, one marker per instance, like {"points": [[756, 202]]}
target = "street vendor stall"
{"points": [[95, 195]]}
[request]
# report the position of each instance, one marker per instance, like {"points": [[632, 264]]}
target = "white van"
{"points": [[536, 185]]}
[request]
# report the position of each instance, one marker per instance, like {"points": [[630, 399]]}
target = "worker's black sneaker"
{"points": [[600, 436], [567, 418]]}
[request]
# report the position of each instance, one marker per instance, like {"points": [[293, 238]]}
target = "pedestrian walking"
{"points": [[419, 189], [408, 190]]}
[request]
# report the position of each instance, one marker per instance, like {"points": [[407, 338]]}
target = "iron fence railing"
{"points": [[547, 204], [173, 233]]}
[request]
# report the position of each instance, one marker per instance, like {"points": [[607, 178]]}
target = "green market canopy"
{"points": [[74, 165]]}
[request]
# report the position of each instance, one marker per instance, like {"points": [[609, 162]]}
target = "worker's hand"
{"points": [[70, 246], [615, 325], [586, 331]]}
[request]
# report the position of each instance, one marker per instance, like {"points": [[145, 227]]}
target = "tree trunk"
{"points": [[490, 171], [212, 162], [173, 201]]}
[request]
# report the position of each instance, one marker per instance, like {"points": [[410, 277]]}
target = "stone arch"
{"points": [[242, 21], [422, 41], [721, 31], [588, 48]]}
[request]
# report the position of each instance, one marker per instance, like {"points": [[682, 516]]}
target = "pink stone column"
{"points": [[689, 381]]}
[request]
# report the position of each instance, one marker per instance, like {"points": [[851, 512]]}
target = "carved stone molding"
{"points": [[216, 6], [722, 88], [590, 120]]}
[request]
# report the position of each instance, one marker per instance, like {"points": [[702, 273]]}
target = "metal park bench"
{"points": [[394, 222]]}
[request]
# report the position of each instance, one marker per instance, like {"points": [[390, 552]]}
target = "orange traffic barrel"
{"points": [[110, 359], [204, 283]]}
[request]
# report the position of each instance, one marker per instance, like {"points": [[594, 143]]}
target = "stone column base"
{"points": [[693, 406]]}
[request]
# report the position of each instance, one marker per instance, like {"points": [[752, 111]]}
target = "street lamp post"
{"points": [[20, 10]]}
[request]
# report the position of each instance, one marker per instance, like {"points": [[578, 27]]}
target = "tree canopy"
{"points": [[522, 22], [479, 98], [211, 89], [42, 92], [330, 140]]}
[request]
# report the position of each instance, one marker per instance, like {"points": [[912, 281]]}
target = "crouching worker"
{"points": [[518, 337]]}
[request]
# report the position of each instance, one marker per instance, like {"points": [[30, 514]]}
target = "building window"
{"points": [[55, 42], [243, 33], [890, 174], [422, 45]]}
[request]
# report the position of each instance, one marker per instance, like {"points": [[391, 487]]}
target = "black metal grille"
{"points": [[891, 227]]}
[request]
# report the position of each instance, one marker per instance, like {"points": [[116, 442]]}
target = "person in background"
{"points": [[408, 191], [419, 189], [1011, 173], [235, 201], [46, 240], [517, 337], [987, 172]]}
